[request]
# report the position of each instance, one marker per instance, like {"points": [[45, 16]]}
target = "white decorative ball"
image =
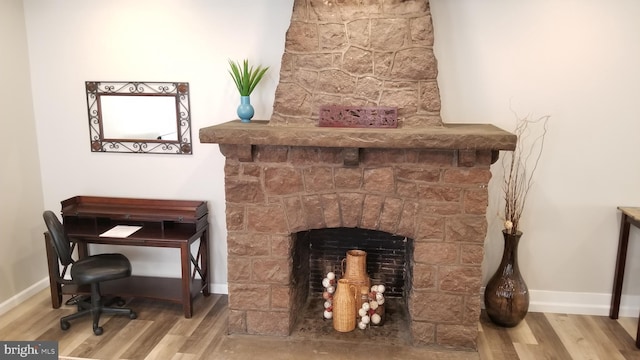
{"points": [[331, 275], [381, 289], [373, 305], [362, 325], [326, 282], [374, 288], [327, 304], [375, 319], [365, 306], [328, 314], [379, 296], [362, 312], [380, 301], [365, 319], [331, 289]]}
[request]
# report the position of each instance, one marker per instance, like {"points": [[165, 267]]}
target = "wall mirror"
{"points": [[139, 117]]}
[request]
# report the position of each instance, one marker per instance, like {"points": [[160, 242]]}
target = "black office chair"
{"points": [[91, 270]]}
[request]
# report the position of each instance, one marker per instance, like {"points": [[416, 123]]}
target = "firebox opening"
{"points": [[388, 262]]}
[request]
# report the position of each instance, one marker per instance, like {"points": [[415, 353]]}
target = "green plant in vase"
{"points": [[246, 79]]}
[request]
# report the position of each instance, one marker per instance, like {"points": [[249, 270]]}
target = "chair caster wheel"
{"points": [[98, 331], [64, 325], [133, 315]]}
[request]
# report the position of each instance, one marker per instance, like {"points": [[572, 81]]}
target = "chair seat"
{"points": [[101, 267]]}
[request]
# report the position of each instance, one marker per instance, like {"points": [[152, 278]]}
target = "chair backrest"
{"points": [[59, 239]]}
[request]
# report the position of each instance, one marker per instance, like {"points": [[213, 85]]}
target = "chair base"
{"points": [[95, 308]]}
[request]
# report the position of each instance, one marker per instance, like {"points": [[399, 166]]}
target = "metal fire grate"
{"points": [[358, 116]]}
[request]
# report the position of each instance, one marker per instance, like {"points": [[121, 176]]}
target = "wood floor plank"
{"points": [[594, 336], [571, 337], [522, 334], [551, 347], [186, 327], [163, 315], [498, 340], [167, 347], [161, 331]]}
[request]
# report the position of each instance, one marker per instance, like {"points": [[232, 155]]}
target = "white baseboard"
{"points": [[22, 296], [219, 288], [561, 302]]}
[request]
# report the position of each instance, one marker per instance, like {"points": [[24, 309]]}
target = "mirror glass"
{"points": [[140, 117]]}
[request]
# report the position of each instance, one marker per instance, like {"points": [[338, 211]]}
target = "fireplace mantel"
{"points": [[449, 136], [461, 137]]}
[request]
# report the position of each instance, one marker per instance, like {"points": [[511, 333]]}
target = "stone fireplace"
{"points": [[424, 180]]}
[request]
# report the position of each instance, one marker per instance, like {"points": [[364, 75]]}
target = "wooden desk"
{"points": [[165, 223], [630, 216]]}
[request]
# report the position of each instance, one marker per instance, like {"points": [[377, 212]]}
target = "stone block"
{"points": [[434, 193], [442, 158], [429, 96], [272, 271], [358, 61], [371, 210], [476, 201], [247, 296], [281, 245], [347, 178], [267, 219], [421, 29], [471, 254], [457, 336], [269, 154], [237, 322], [235, 217], [472, 309], [424, 277], [238, 268], [407, 225], [274, 323], [332, 37], [389, 34], [473, 176], [423, 333], [358, 32], [468, 229], [379, 180], [331, 209], [336, 82], [243, 244], [436, 253], [406, 100], [251, 170], [282, 180], [429, 227], [418, 173], [295, 215], [460, 279], [280, 297], [313, 212], [390, 217], [302, 37], [244, 191], [317, 179], [414, 64], [351, 208], [436, 307]]}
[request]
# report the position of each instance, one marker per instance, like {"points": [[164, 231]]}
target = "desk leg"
{"points": [[185, 261], [54, 272], [623, 243], [204, 262]]}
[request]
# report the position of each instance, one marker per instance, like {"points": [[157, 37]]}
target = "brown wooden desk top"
{"points": [[632, 212]]}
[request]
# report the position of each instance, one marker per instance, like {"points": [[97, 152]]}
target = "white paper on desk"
{"points": [[121, 231]]}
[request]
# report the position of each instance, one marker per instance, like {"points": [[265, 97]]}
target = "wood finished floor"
{"points": [[161, 332]]}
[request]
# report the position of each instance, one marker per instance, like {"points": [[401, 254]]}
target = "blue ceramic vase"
{"points": [[245, 109]]}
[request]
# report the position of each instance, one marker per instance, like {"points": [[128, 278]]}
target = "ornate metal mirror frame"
{"points": [[139, 117]]}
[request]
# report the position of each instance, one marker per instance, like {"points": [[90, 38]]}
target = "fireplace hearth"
{"points": [[424, 180]]}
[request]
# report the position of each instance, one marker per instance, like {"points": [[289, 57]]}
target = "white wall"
{"points": [[73, 41], [22, 259], [577, 61], [573, 59]]}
